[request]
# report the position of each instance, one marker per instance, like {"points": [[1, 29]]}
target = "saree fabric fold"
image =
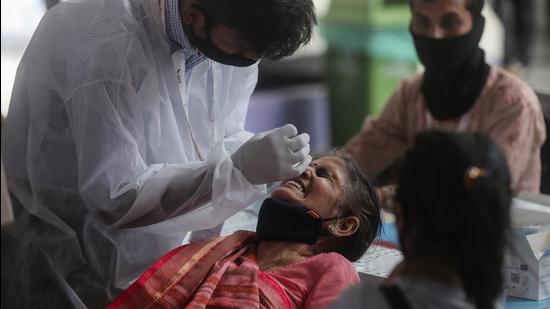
{"points": [[213, 274], [223, 273]]}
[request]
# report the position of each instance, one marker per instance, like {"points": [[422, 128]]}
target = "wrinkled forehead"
{"points": [[331, 160], [335, 164]]}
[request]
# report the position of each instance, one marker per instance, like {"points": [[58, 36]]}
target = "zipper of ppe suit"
{"points": [[185, 98], [177, 59]]}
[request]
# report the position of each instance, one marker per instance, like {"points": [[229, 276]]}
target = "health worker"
{"points": [[126, 131]]}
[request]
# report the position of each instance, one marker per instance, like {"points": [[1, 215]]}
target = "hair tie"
{"points": [[471, 176]]}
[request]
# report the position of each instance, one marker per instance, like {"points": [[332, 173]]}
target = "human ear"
{"points": [[345, 226], [190, 15]]}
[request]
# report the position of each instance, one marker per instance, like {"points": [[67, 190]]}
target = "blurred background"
{"points": [[360, 52]]}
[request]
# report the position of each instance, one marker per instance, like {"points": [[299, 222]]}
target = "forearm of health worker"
{"points": [[123, 190]]}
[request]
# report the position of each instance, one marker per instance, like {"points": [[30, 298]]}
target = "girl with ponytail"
{"points": [[452, 217]]}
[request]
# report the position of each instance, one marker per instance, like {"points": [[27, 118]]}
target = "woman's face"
{"points": [[318, 187]]}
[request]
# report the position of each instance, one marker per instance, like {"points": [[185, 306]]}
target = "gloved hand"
{"points": [[273, 155]]}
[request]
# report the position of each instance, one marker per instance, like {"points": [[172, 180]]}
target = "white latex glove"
{"points": [[273, 155]]}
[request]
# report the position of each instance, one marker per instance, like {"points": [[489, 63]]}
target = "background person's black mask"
{"points": [[456, 71], [283, 221], [207, 47]]}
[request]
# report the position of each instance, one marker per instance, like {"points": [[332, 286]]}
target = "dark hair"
{"points": [[454, 218], [273, 28], [474, 6], [361, 200]]}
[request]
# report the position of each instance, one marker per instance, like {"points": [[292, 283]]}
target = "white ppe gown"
{"points": [[111, 157]]}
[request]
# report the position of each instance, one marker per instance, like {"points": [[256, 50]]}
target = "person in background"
{"points": [[518, 18], [457, 92], [452, 218], [308, 231], [126, 131]]}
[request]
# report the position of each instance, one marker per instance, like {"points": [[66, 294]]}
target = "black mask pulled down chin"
{"points": [[456, 71], [282, 221], [207, 47]]}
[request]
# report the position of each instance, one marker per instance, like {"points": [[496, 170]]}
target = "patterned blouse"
{"points": [[507, 110]]}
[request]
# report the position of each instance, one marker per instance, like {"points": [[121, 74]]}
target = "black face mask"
{"points": [[456, 71], [207, 47], [282, 221]]}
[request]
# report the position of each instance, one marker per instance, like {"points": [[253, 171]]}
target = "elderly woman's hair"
{"points": [[361, 200]]}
